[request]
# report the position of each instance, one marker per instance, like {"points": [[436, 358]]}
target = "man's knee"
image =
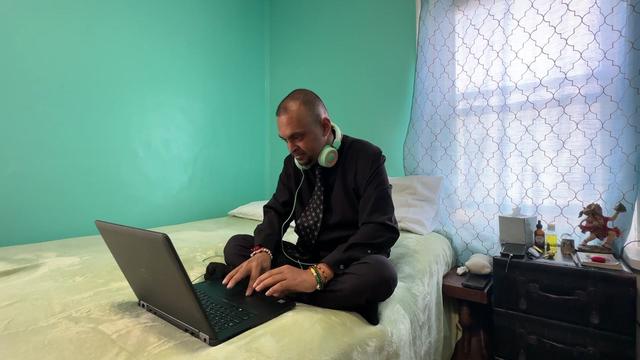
{"points": [[385, 278], [237, 246]]}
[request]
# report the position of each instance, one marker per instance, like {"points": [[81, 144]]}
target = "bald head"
{"points": [[303, 99]]}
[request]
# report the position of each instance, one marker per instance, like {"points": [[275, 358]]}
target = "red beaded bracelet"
{"points": [[259, 249]]}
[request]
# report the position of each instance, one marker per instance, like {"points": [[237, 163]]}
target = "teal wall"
{"points": [[142, 112], [160, 112], [358, 55]]}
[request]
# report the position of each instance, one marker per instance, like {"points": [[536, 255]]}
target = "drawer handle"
{"points": [[578, 294], [594, 317], [576, 350]]}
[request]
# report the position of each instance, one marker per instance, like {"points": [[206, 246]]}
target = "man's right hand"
{"points": [[254, 267]]}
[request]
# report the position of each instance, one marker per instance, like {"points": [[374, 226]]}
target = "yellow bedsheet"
{"points": [[67, 299]]}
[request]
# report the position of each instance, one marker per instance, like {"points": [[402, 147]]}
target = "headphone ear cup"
{"points": [[328, 156]]}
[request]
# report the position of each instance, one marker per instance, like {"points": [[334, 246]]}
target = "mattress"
{"points": [[67, 299]]}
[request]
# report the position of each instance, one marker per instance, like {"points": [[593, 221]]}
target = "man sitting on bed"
{"points": [[336, 189]]}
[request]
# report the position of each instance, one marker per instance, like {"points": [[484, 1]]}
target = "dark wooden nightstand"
{"points": [[555, 310], [474, 312]]}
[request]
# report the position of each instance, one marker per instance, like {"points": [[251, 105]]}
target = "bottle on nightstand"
{"points": [[551, 238], [538, 236]]}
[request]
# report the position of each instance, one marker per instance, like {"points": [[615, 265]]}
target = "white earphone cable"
{"points": [[293, 208]]}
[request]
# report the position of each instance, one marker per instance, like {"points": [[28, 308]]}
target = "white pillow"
{"points": [[415, 199], [252, 211]]}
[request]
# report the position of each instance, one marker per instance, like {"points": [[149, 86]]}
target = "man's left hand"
{"points": [[285, 279]]}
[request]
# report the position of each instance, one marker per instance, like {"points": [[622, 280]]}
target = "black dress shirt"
{"points": [[358, 215]]}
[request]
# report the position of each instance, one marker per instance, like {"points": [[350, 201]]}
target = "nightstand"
{"points": [[474, 317], [555, 310]]}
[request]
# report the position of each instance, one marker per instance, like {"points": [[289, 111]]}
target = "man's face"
{"points": [[305, 137]]}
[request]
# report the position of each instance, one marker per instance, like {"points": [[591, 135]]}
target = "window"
{"points": [[525, 103]]}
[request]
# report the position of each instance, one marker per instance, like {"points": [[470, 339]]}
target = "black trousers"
{"points": [[364, 283]]}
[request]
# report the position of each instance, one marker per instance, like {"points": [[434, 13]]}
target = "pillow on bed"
{"points": [[415, 199], [252, 211]]}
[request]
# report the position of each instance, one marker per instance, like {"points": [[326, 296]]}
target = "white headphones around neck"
{"points": [[329, 154]]}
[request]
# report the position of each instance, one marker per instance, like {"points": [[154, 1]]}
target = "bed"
{"points": [[67, 299]]}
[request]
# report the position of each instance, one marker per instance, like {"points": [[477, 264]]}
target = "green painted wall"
{"points": [[141, 112], [358, 55], [156, 112]]}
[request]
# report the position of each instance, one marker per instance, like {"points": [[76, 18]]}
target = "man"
{"points": [[336, 189]]}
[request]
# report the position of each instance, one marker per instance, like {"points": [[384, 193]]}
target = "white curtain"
{"points": [[526, 103]]}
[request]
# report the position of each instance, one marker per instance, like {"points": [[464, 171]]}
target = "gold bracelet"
{"points": [[316, 274]]}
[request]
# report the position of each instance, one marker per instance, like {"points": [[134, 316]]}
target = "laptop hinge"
{"points": [[187, 328]]}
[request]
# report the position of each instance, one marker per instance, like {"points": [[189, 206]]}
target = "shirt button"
{"points": [[368, 251], [341, 267]]}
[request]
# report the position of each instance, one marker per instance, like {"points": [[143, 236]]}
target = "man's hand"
{"points": [[254, 267], [284, 280]]}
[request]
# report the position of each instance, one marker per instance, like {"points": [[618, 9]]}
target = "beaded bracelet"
{"points": [[260, 249], [316, 274]]}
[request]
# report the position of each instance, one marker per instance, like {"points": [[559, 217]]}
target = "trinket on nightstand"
{"points": [[596, 225], [567, 246]]}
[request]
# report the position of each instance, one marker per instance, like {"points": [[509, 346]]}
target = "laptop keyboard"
{"points": [[222, 314]]}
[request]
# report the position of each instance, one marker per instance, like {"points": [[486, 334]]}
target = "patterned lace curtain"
{"points": [[526, 103]]}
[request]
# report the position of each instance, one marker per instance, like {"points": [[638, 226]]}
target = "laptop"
{"points": [[207, 310]]}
